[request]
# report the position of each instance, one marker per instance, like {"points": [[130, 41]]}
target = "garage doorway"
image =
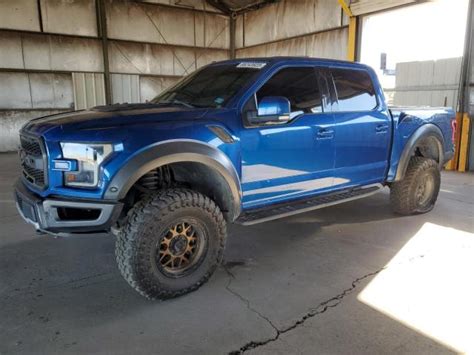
{"points": [[417, 51]]}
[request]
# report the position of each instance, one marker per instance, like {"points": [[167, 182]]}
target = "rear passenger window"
{"points": [[298, 85], [355, 91]]}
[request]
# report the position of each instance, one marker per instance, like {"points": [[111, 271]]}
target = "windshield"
{"points": [[212, 86]]}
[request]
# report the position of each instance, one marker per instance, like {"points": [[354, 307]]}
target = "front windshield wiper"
{"points": [[176, 102]]}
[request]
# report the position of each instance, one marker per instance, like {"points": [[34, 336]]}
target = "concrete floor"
{"points": [[353, 278]]}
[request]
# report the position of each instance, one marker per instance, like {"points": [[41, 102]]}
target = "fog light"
{"points": [[64, 165]]}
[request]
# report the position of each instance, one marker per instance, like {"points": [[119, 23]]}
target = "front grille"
{"points": [[32, 160], [31, 146]]}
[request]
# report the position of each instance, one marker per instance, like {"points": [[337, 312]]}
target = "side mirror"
{"points": [[272, 109]]}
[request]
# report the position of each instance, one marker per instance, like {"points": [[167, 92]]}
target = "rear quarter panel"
{"points": [[407, 120]]}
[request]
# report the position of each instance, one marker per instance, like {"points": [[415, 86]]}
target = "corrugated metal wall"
{"points": [[52, 52], [89, 90], [428, 83]]}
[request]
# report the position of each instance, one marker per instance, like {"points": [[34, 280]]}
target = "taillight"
{"points": [[453, 130]]}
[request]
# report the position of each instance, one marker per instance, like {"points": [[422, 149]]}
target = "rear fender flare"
{"points": [[425, 131]]}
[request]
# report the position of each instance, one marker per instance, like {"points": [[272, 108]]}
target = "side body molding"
{"points": [[175, 151], [425, 131]]}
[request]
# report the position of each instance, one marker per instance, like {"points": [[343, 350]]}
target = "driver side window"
{"points": [[299, 86]]}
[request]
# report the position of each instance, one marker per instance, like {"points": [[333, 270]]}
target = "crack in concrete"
{"points": [[245, 300], [319, 309]]}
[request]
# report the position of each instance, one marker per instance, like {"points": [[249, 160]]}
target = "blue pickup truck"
{"points": [[239, 141]]}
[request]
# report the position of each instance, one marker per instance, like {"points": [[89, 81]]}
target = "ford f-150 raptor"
{"points": [[239, 141]]}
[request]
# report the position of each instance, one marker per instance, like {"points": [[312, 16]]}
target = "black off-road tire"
{"points": [[138, 242], [417, 192]]}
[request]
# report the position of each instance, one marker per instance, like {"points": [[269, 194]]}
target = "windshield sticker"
{"points": [[253, 65]]}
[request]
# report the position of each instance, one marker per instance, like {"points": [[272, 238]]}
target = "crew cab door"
{"points": [[288, 160], [363, 129]]}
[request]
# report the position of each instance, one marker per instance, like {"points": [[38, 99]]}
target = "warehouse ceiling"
{"points": [[237, 6]]}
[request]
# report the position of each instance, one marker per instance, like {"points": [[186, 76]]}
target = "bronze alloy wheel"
{"points": [[180, 248], [171, 243]]}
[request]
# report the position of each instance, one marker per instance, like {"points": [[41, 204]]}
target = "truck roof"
{"points": [[293, 59]]}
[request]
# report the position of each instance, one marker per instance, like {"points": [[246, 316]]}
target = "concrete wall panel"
{"points": [[331, 44], [35, 90], [70, 17], [11, 122], [137, 58], [185, 60], [151, 86], [141, 22], [14, 90], [290, 18], [51, 90], [257, 51], [149, 23], [204, 56], [141, 58], [287, 48], [212, 31], [11, 53], [49, 52], [62, 53], [19, 15]]}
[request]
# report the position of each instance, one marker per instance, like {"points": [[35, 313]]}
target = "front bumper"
{"points": [[50, 215]]}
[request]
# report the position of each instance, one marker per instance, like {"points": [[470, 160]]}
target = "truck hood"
{"points": [[102, 117]]}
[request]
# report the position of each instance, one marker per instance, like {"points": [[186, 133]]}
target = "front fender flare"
{"points": [[425, 131], [175, 151]]}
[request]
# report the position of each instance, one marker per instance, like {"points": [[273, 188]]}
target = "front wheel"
{"points": [[171, 243], [417, 192]]}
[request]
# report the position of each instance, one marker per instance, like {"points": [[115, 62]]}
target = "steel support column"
{"points": [[353, 30], [232, 18], [460, 161], [102, 30]]}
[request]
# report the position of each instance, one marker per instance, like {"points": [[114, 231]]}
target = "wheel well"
{"points": [[193, 175], [429, 147]]}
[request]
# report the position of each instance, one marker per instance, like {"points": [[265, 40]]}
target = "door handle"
{"points": [[383, 128], [325, 133]]}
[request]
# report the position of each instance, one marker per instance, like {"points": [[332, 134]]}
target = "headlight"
{"points": [[88, 157]]}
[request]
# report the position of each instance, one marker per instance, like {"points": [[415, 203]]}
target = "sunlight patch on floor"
{"points": [[429, 286]]}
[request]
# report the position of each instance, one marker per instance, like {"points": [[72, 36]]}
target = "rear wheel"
{"points": [[171, 243], [418, 191]]}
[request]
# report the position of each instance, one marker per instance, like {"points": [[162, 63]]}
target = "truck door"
{"points": [[293, 159], [362, 129]]}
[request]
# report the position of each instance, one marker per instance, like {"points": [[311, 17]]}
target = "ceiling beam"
{"points": [[220, 6]]}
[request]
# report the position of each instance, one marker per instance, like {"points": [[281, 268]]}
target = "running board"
{"points": [[288, 209]]}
